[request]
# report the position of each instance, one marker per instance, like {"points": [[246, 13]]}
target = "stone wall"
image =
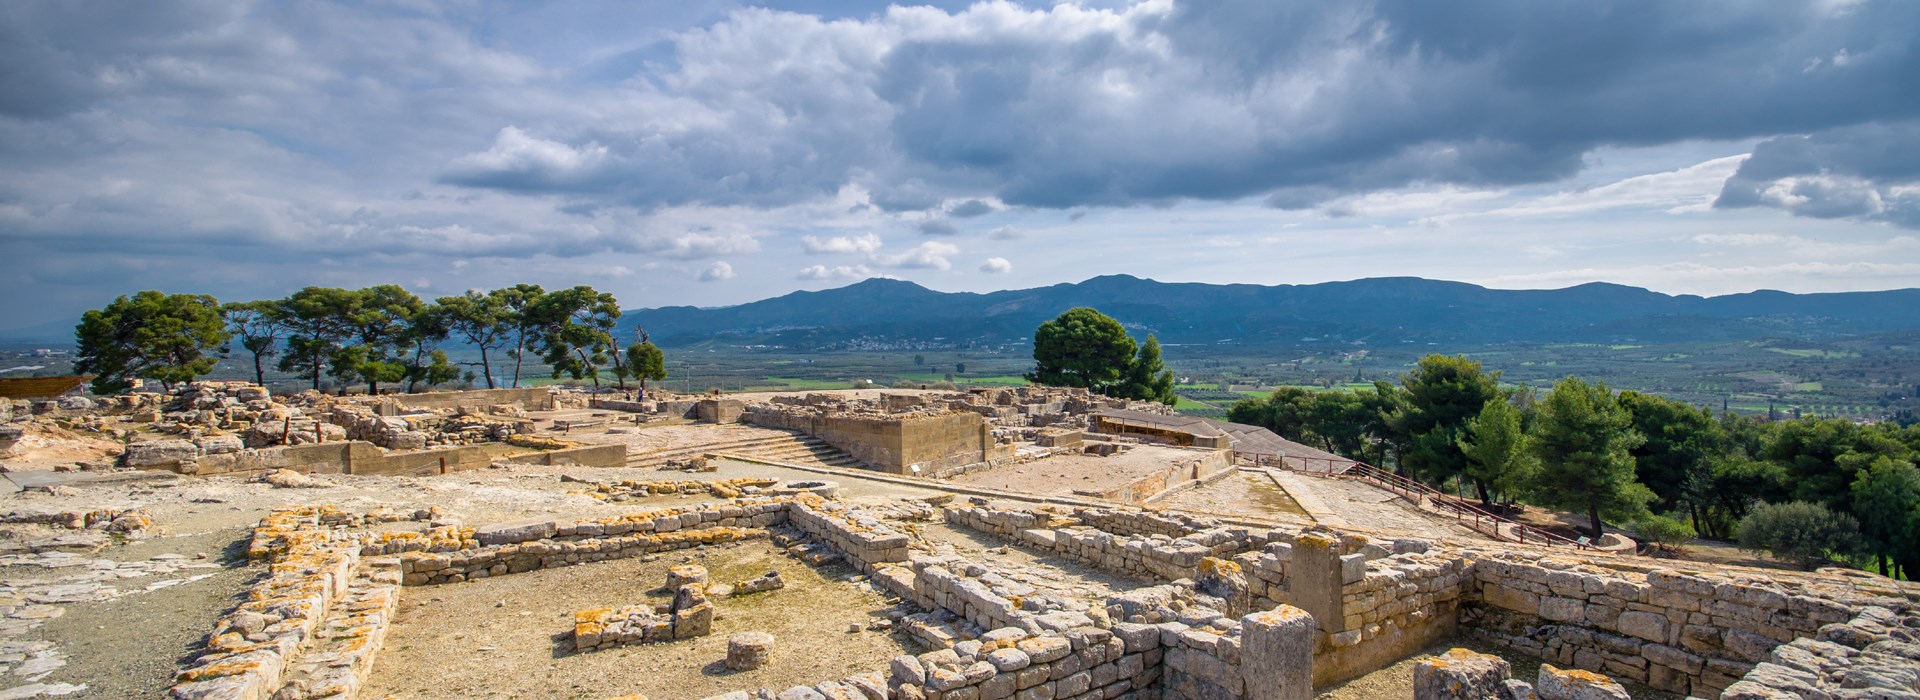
{"points": [[1678, 632], [530, 398], [607, 456], [309, 571], [935, 443], [516, 547], [861, 538], [1875, 654], [1201, 465], [1152, 556]]}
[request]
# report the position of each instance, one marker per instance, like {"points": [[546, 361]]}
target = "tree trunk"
{"points": [[485, 367], [519, 356], [619, 372], [1481, 486], [1883, 562], [591, 369], [1593, 513], [259, 373], [316, 374]]}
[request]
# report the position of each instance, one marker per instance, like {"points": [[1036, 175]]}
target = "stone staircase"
{"points": [[792, 448]]}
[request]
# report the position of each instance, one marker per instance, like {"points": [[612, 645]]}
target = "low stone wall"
{"points": [[604, 456], [1678, 632], [249, 651], [1875, 654], [511, 548], [861, 538], [345, 457], [1009, 662], [1201, 465], [531, 398], [1140, 556]]}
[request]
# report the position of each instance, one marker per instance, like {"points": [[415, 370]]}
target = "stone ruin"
{"points": [[1226, 610]]}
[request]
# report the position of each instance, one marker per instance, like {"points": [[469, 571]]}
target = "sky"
{"points": [[720, 152]]}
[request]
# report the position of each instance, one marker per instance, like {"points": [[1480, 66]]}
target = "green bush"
{"points": [[1661, 532], [1799, 532]]}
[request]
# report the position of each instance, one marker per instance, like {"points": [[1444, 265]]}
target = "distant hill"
{"points": [[1391, 309], [56, 334]]}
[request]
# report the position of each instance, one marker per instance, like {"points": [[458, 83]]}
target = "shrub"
{"points": [[1799, 532], [1660, 532], [863, 384]]}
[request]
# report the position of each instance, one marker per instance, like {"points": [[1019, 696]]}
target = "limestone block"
{"points": [[160, 453], [749, 650], [1575, 684], [1459, 674], [1560, 609], [1516, 689], [686, 575], [1644, 625], [516, 531], [1277, 654], [1410, 545]]}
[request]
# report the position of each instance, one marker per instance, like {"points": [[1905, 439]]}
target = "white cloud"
{"points": [[837, 272], [996, 266], [1006, 233], [864, 244], [931, 255], [719, 270], [1741, 239]]}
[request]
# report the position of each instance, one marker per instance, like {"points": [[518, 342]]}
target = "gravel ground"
{"points": [[510, 637], [132, 645]]}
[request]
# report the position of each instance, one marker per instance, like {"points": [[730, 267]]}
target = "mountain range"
{"points": [[1378, 310]]}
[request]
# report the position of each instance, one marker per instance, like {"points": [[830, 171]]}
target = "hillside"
{"points": [[1395, 309]]}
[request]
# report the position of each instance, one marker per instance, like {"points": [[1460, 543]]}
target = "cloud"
{"points": [[695, 245], [937, 227], [837, 272], [1006, 233], [519, 160], [716, 272], [996, 266], [969, 209], [1213, 101], [1862, 173], [931, 255], [1741, 239], [864, 244]]}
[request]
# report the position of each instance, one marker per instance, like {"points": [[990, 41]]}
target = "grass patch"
{"points": [[1816, 354], [809, 384]]}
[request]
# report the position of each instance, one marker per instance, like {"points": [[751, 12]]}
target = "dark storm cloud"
{"points": [[1301, 103], [1869, 172]]}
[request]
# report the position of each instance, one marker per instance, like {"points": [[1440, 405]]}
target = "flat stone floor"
{"points": [[1351, 504], [1063, 475]]}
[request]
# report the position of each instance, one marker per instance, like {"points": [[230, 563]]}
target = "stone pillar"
{"points": [[1276, 654], [1460, 674], [1314, 579], [749, 650]]}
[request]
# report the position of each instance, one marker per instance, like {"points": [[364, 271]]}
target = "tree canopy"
{"points": [[1081, 348], [1584, 439], [169, 338]]}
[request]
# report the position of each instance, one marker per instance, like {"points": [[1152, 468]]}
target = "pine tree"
{"points": [[1583, 439]]}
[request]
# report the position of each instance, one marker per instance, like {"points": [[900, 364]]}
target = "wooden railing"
{"points": [[1467, 514]]}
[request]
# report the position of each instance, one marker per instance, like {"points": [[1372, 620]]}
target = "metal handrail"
{"points": [[1482, 521]]}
